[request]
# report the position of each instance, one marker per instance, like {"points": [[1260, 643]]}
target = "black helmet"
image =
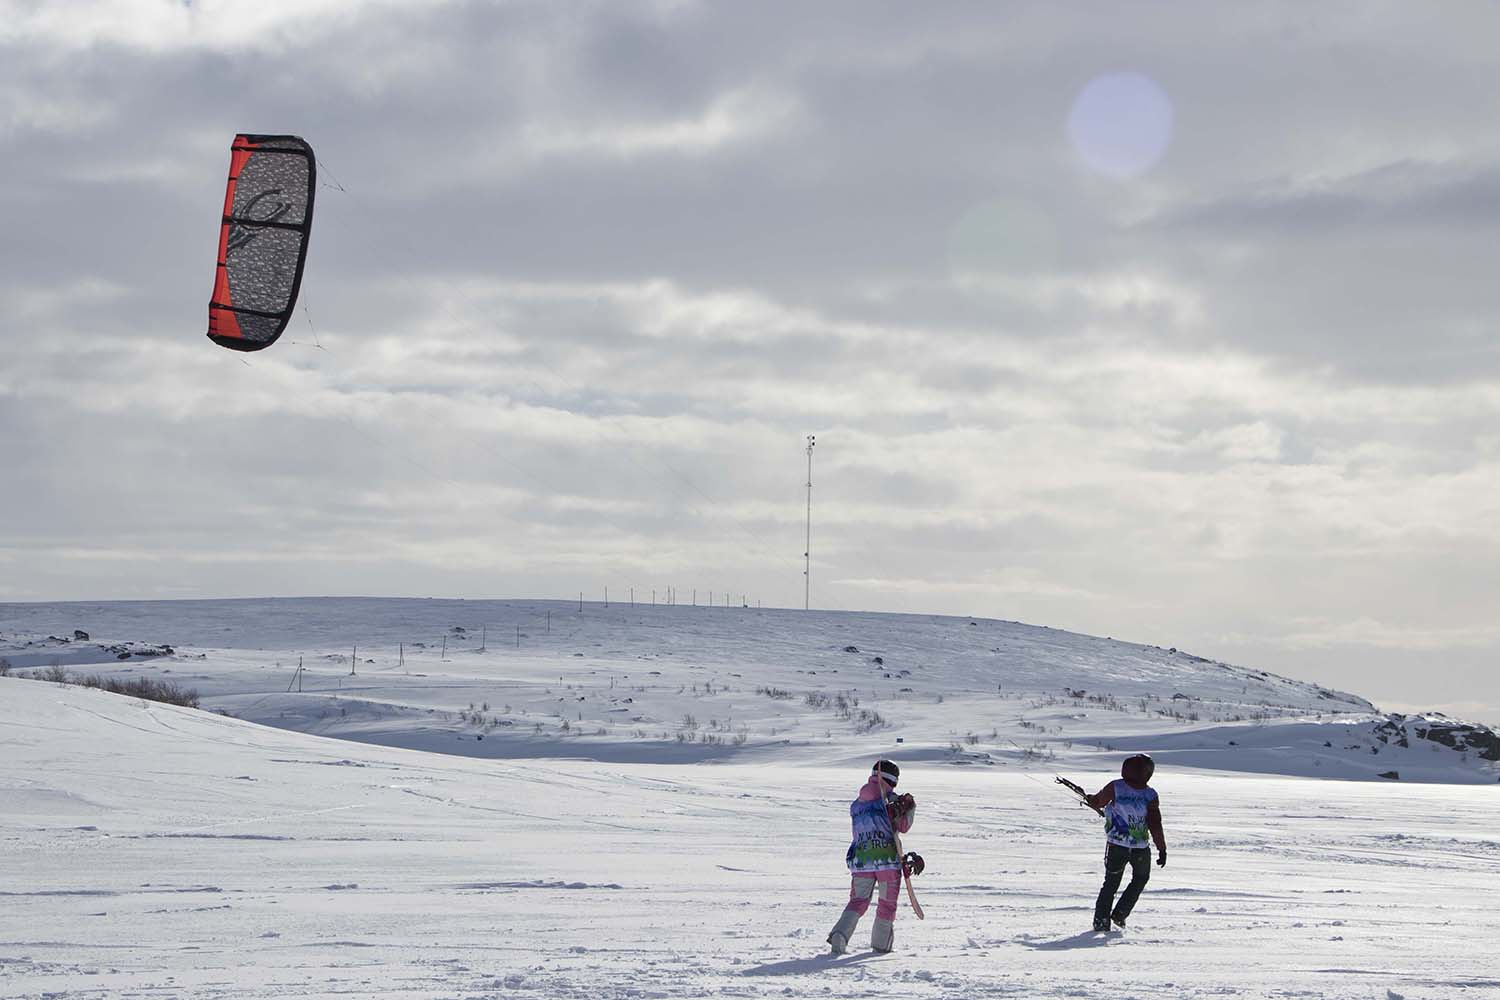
{"points": [[888, 770], [1138, 769]]}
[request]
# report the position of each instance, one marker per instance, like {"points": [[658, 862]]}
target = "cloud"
{"points": [[1011, 583], [735, 117], [156, 26], [1370, 632]]}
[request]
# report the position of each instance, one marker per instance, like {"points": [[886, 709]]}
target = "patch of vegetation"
{"points": [[145, 688]]}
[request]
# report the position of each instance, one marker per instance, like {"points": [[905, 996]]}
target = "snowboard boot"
{"points": [[838, 938], [1119, 920], [1100, 926], [883, 935]]}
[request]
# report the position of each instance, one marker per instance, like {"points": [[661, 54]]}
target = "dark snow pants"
{"points": [[1115, 859]]}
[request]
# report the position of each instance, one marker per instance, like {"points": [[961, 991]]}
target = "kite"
{"points": [[268, 211]]}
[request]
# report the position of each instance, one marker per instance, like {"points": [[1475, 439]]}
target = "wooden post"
{"points": [[549, 621], [444, 655], [518, 637], [352, 658], [401, 646], [484, 637]]}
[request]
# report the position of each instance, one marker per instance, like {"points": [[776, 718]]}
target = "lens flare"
{"points": [[1121, 124]]}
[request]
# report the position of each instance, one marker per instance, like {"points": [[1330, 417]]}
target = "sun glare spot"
{"points": [[1121, 124]]}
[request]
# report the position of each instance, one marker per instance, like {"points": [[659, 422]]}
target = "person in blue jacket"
{"points": [[1132, 812]]}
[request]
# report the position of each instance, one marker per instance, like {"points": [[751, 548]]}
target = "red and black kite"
{"points": [[268, 211]]}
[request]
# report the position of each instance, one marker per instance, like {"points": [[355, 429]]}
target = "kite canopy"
{"points": [[268, 210]]}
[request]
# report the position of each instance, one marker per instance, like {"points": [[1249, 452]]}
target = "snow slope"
{"points": [[679, 684], [148, 850]]}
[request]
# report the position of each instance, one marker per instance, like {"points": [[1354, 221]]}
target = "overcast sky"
{"points": [[1172, 322]]}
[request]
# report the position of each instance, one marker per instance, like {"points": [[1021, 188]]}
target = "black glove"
{"points": [[1161, 857], [912, 864], [901, 805]]}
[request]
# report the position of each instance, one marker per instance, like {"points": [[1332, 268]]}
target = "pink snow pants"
{"points": [[863, 887]]}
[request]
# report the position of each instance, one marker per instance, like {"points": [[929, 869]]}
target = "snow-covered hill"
{"points": [[644, 683]]}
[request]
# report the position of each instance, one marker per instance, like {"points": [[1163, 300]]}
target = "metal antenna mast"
{"points": [[807, 553]]}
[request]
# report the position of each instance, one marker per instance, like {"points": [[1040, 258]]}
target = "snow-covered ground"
{"points": [[150, 850]]}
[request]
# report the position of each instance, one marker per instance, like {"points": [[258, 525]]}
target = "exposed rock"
{"points": [[126, 650], [1462, 736]]}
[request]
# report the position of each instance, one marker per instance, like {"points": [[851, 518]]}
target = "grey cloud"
{"points": [[1398, 196]]}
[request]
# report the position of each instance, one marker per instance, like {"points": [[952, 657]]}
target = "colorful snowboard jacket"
{"points": [[874, 846], [1131, 815]]}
